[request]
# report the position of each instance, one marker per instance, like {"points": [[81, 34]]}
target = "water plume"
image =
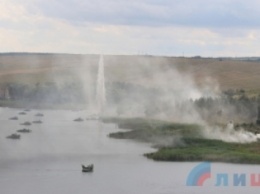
{"points": [[101, 90]]}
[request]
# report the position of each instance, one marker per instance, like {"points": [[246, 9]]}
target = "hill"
{"points": [[34, 68]]}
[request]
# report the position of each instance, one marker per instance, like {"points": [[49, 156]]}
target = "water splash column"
{"points": [[101, 90]]}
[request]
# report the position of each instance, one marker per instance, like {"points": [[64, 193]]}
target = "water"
{"points": [[48, 160]]}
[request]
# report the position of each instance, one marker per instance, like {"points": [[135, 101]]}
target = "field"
{"points": [[33, 68]]}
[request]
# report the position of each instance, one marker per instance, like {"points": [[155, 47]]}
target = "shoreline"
{"points": [[177, 142], [40, 106]]}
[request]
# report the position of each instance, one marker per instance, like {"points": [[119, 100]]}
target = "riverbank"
{"points": [[184, 142], [19, 104]]}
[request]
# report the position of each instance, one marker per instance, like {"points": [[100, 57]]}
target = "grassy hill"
{"points": [[33, 68]]}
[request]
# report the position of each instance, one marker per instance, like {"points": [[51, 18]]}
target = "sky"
{"points": [[209, 28]]}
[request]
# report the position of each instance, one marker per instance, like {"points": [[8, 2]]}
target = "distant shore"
{"points": [[184, 142], [40, 105]]}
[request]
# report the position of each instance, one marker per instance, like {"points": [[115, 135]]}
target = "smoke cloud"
{"points": [[163, 90], [135, 86], [229, 134]]}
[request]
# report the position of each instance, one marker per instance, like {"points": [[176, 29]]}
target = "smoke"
{"points": [[136, 86], [230, 134], [159, 88], [83, 71], [169, 141]]}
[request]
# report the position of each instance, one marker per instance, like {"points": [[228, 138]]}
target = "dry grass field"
{"points": [[35, 68]]}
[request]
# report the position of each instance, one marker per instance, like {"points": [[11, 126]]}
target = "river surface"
{"points": [[48, 160]]}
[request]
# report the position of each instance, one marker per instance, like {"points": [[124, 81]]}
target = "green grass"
{"points": [[192, 147], [209, 150], [150, 129]]}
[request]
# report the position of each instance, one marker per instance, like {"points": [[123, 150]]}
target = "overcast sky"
{"points": [[155, 27]]}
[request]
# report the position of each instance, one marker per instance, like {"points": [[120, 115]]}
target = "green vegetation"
{"points": [[209, 150], [191, 147], [150, 130]]}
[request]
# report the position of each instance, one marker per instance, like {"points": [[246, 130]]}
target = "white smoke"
{"points": [[230, 134], [177, 88]]}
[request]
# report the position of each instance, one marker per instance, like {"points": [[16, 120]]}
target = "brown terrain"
{"points": [[34, 68]]}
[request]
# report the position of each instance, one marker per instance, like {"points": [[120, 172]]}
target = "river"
{"points": [[48, 160]]}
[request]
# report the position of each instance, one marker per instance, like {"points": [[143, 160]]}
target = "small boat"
{"points": [[22, 113], [88, 168], [26, 123], [13, 118], [24, 131], [14, 136], [37, 122], [39, 115], [79, 119]]}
